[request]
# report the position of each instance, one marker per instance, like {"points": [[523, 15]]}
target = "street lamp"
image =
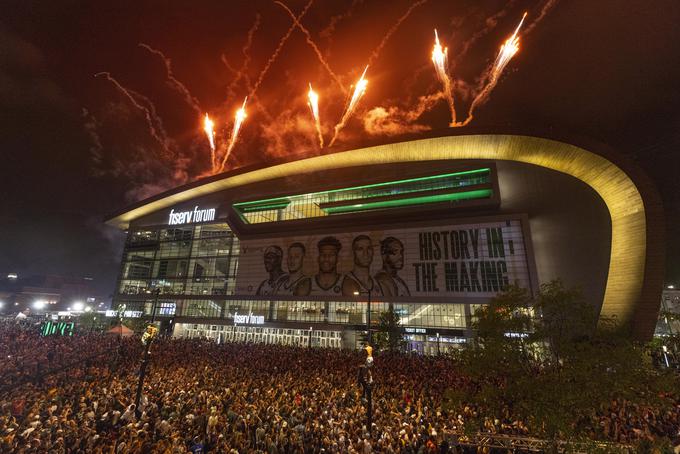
{"points": [[310, 337]]}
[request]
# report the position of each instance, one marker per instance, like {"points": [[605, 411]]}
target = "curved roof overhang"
{"points": [[630, 290]]}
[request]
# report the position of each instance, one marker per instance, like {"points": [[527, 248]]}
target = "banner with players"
{"points": [[468, 260]]}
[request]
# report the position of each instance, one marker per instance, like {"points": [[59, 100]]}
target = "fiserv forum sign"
{"points": [[191, 216], [472, 260]]}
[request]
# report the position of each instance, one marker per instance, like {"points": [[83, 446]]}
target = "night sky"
{"points": [[75, 149]]}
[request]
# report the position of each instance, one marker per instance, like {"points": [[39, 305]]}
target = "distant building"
{"points": [[46, 293]]}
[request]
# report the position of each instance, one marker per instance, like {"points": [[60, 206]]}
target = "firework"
{"points": [[152, 119], [277, 51], [376, 53], [439, 59], [508, 50], [359, 90], [315, 48], [208, 127], [314, 107], [238, 121], [172, 80]]}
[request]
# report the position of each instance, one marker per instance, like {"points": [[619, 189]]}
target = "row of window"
{"points": [[222, 333], [311, 205], [178, 233], [194, 286], [181, 268], [352, 313]]}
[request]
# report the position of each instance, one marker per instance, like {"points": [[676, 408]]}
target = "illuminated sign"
{"points": [[59, 328], [415, 330], [249, 319], [188, 217], [126, 314]]}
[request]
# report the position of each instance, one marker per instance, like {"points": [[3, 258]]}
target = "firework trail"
{"points": [[314, 47], [172, 80], [156, 130], [394, 28], [238, 121], [241, 73], [330, 28], [359, 90], [441, 67], [275, 55], [490, 23], [508, 50], [547, 6], [209, 128], [314, 107]]}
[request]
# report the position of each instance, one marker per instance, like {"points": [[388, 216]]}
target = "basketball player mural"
{"points": [[359, 279], [295, 283], [327, 281], [273, 256], [392, 252]]}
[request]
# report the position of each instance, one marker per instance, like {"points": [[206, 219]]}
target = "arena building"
{"points": [[433, 227]]}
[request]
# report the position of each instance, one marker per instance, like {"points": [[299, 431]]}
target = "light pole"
{"points": [[438, 344], [310, 337], [368, 384], [145, 358]]}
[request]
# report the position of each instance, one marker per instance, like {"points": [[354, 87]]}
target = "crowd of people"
{"points": [[237, 398]]}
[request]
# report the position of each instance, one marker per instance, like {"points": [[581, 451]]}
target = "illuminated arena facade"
{"points": [[432, 227]]}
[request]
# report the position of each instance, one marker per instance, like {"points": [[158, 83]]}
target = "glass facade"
{"points": [[188, 260], [189, 272], [449, 187]]}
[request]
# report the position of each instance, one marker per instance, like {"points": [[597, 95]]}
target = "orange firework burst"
{"points": [[238, 121], [359, 91], [209, 128], [440, 62], [314, 107], [508, 50]]}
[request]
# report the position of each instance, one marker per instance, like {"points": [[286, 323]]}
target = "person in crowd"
{"points": [[201, 397]]}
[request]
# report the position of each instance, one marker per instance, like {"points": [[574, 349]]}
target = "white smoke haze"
{"points": [[293, 131], [395, 120]]}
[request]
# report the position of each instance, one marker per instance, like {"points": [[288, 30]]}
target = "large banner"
{"points": [[474, 260]]}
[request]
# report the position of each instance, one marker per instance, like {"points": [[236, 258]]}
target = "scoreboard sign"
{"points": [[469, 260]]}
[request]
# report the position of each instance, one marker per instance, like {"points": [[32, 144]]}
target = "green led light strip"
{"points": [[269, 206], [477, 194], [374, 185]]}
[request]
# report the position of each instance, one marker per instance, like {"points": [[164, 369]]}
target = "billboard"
{"points": [[463, 260]]}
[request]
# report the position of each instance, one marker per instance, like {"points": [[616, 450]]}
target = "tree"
{"points": [[389, 335], [545, 358], [138, 325], [92, 321]]}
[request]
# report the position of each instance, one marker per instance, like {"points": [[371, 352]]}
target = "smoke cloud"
{"points": [[394, 120]]}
